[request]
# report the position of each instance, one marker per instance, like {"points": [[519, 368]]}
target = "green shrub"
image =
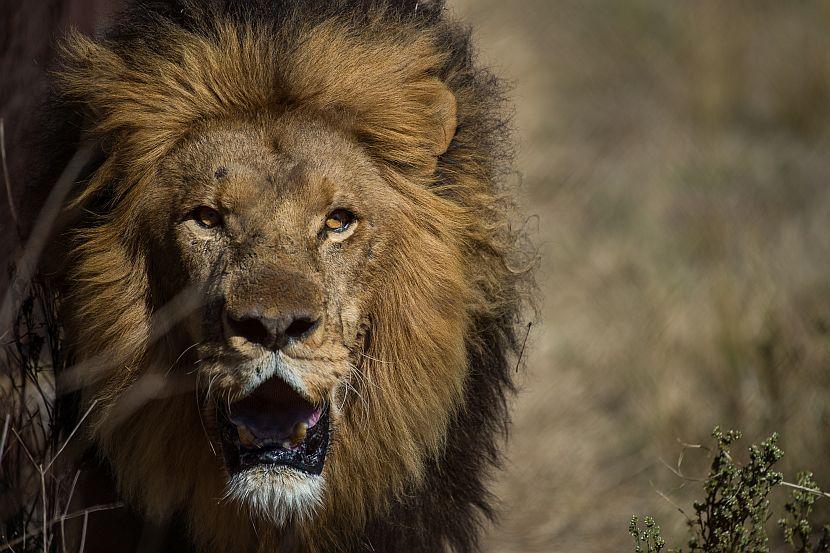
{"points": [[732, 517]]}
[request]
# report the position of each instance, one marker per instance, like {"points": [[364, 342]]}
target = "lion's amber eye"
{"points": [[339, 220], [207, 217]]}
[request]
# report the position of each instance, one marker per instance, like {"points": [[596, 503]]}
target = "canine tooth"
{"points": [[246, 437], [299, 433]]}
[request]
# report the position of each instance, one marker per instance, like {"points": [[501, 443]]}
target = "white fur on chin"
{"points": [[278, 494]]}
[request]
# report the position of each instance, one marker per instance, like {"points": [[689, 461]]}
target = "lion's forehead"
{"points": [[288, 140], [264, 162]]}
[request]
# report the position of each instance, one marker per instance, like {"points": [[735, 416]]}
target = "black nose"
{"points": [[269, 332]]}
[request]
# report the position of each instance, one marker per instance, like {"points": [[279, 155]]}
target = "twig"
{"points": [[44, 224], [670, 502], [524, 343], [66, 508], [805, 489], [45, 511], [6, 179], [3, 437], [678, 469], [83, 533], [74, 430], [26, 449], [84, 513], [679, 474]]}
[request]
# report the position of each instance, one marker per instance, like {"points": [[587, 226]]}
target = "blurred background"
{"points": [[675, 155]]}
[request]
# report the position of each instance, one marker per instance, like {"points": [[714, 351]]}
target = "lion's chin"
{"points": [[278, 494]]}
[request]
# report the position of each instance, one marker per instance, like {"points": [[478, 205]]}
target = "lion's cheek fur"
{"points": [[162, 456], [146, 428], [416, 368], [164, 461], [106, 322]]}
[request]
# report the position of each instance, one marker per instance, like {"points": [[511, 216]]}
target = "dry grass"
{"points": [[37, 491], [675, 156]]}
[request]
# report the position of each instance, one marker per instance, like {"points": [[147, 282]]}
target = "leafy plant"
{"points": [[798, 530], [732, 517], [648, 537]]}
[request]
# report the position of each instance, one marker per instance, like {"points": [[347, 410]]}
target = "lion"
{"points": [[286, 271]]}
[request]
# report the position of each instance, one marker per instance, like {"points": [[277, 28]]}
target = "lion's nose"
{"points": [[272, 332]]}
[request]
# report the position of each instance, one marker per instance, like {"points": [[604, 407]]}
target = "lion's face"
{"points": [[282, 227]]}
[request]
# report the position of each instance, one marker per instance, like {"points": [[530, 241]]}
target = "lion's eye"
{"points": [[339, 220], [207, 217]]}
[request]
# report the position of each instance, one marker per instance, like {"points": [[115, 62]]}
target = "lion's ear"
{"points": [[445, 110]]}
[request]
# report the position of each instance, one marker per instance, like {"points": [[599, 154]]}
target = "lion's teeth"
{"points": [[299, 433], [249, 440], [246, 437]]}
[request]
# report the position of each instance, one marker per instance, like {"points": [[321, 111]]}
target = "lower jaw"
{"points": [[282, 498]]}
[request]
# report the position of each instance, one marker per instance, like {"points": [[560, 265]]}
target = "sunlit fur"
{"points": [[422, 400]]}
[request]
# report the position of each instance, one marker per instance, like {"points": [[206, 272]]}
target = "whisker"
{"points": [[201, 420], [375, 359], [211, 380], [179, 358], [357, 373]]}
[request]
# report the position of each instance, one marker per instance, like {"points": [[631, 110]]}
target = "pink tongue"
{"points": [[273, 410]]}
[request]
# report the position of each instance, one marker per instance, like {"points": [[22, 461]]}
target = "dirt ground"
{"points": [[674, 157]]}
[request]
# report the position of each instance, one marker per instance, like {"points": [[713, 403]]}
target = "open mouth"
{"points": [[274, 426]]}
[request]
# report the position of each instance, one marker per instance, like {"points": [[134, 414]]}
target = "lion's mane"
{"points": [[138, 90]]}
